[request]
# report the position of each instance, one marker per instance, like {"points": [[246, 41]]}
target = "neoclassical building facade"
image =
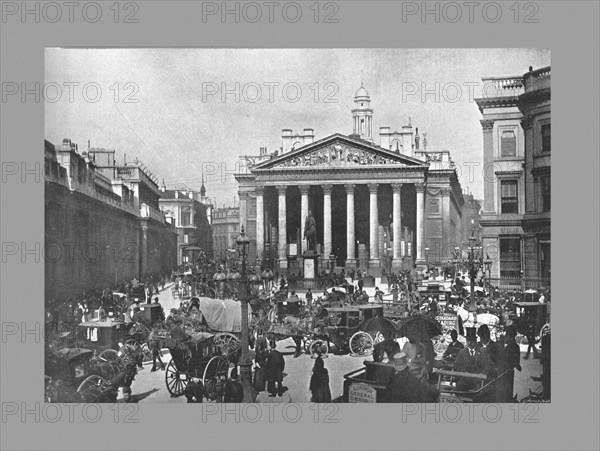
{"points": [[386, 205]]}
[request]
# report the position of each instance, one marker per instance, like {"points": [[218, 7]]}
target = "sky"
{"points": [[189, 112]]}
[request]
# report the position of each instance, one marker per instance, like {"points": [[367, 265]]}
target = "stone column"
{"points": [[350, 236], [489, 178], [260, 222], [397, 219], [327, 221], [373, 226], [282, 245], [303, 213], [420, 254]]}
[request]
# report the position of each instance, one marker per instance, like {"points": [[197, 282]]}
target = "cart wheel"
{"points": [[176, 381], [361, 344], [96, 389], [319, 347], [216, 367], [227, 343]]}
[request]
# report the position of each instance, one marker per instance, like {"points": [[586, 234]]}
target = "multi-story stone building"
{"points": [[471, 218], [192, 220], [534, 103], [102, 224], [374, 205], [516, 124], [226, 229]]}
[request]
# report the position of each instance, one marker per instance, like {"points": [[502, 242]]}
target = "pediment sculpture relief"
{"points": [[337, 155]]}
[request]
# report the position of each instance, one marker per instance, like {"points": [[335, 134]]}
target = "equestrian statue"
{"points": [[310, 233]]}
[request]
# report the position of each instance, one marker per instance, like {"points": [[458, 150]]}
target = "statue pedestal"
{"points": [[311, 267]]}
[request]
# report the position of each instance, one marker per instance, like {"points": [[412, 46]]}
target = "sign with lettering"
{"points": [[448, 322], [361, 393]]}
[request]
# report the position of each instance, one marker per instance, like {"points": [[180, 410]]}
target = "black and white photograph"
{"points": [[358, 225]]}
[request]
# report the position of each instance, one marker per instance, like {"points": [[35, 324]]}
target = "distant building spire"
{"points": [[203, 188]]}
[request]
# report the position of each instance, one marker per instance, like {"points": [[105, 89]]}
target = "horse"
{"points": [[473, 319]]}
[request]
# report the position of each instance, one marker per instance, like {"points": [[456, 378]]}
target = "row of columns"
{"points": [[350, 225]]}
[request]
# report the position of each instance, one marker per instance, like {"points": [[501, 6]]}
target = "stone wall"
{"points": [[90, 244]]}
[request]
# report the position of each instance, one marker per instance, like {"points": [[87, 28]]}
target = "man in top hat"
{"points": [[454, 347], [471, 360], [405, 388], [491, 348]]}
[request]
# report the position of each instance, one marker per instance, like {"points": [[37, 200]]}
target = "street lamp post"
{"points": [[243, 243], [488, 266]]}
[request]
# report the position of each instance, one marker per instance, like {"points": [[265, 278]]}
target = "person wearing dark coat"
{"points": [[471, 360], [512, 355], [275, 367], [260, 361], [233, 391], [454, 347], [319, 382], [491, 348], [194, 391], [403, 387]]}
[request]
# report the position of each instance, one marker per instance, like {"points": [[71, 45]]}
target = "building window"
{"points": [[186, 214], [545, 185], [510, 257], [545, 259], [186, 238], [508, 144], [508, 196], [546, 138]]}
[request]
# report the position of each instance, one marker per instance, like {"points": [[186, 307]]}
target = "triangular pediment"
{"points": [[338, 151]]}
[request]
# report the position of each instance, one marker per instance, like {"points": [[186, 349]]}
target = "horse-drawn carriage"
{"points": [[101, 335], [202, 346], [201, 355], [83, 375], [370, 383], [530, 315], [355, 329]]}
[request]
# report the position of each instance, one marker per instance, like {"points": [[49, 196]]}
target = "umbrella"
{"points": [[419, 325]]}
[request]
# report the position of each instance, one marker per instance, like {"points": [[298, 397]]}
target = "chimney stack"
{"points": [[417, 138], [384, 137], [286, 140], [309, 136]]}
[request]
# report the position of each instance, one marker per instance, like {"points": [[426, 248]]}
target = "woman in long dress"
{"points": [[319, 382]]}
